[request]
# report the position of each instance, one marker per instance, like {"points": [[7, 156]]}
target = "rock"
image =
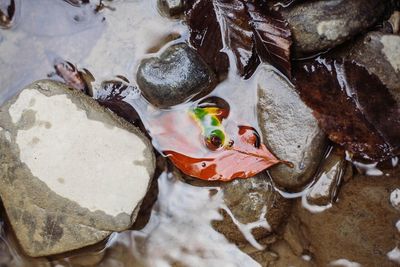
{"points": [[253, 210], [379, 53], [360, 227], [174, 77], [320, 25], [289, 130], [83, 172], [171, 8], [11, 254], [333, 170]]}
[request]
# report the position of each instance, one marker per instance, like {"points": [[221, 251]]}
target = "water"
{"points": [[109, 43]]}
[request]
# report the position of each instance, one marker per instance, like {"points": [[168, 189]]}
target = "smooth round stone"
{"points": [[175, 76], [289, 130], [320, 25]]}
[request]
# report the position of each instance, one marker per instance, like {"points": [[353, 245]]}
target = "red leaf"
{"points": [[352, 106], [242, 160]]}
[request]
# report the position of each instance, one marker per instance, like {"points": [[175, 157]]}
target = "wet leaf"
{"points": [[352, 106], [202, 146], [250, 31], [272, 36], [205, 35], [114, 95], [7, 12], [242, 160], [238, 34]]}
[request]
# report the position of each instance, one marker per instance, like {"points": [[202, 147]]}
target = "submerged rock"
{"points": [[361, 225], [289, 130], [320, 25], [171, 8], [333, 170], [174, 77], [253, 209], [72, 172]]}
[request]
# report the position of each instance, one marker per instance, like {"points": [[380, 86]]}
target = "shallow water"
{"points": [[110, 43]]}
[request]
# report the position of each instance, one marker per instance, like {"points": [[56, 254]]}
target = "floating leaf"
{"points": [[241, 160], [352, 106]]}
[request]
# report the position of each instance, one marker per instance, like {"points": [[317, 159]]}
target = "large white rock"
{"points": [[82, 171]]}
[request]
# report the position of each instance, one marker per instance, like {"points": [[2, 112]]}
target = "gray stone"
{"points": [[71, 172], [174, 77], [171, 8], [379, 53], [320, 25], [289, 130], [333, 170], [254, 209]]}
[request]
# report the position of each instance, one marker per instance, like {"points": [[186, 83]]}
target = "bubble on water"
{"points": [[394, 255], [344, 263], [395, 198]]}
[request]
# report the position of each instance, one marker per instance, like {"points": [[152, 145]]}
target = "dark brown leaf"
{"points": [[352, 106], [7, 12], [272, 36], [205, 35], [250, 31], [114, 95], [238, 34]]}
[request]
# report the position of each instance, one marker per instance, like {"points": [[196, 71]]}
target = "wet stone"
{"points": [[379, 53], [253, 209], [360, 227], [172, 8], [320, 25], [175, 76], [63, 164], [333, 170], [289, 130]]}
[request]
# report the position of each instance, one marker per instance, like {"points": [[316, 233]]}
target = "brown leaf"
{"points": [[205, 35], [114, 96], [208, 19], [352, 106], [238, 34], [7, 12], [272, 36], [250, 31]]}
